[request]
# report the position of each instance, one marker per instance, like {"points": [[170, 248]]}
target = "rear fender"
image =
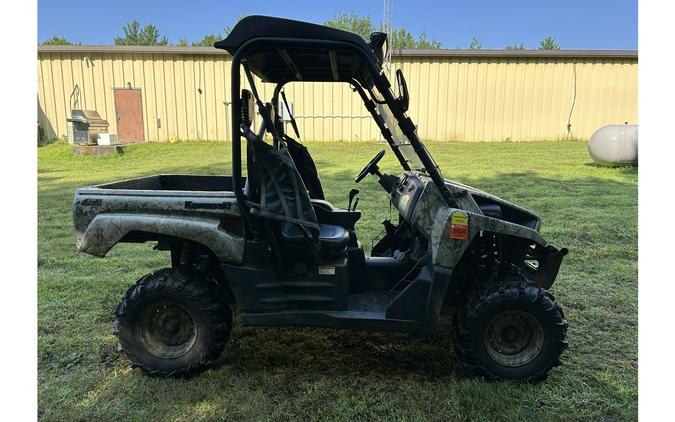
{"points": [[106, 230]]}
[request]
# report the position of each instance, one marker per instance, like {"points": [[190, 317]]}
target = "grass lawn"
{"points": [[313, 374]]}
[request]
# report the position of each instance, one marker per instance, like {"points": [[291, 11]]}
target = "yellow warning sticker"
{"points": [[459, 226], [459, 218]]}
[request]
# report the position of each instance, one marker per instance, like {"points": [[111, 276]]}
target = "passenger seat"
{"points": [[333, 240]]}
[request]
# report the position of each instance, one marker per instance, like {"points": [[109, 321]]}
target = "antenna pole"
{"points": [[388, 28]]}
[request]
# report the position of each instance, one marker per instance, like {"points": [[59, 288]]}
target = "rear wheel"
{"points": [[515, 332], [173, 322]]}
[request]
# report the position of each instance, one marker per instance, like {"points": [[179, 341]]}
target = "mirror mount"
{"points": [[379, 43], [403, 97]]}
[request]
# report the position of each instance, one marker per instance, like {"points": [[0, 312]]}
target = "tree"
{"points": [[403, 39], [207, 40], [360, 25], [423, 42], [548, 43], [364, 26], [515, 46], [56, 41], [228, 28], [182, 42], [475, 44], [135, 35]]}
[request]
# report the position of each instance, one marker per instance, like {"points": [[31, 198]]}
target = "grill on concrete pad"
{"points": [[85, 125]]}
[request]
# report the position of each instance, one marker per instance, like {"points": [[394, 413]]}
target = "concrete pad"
{"points": [[96, 150]]}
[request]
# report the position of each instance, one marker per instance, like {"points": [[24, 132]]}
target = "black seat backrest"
{"points": [[273, 184], [306, 167], [283, 195]]}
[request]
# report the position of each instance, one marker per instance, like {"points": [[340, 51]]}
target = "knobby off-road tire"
{"points": [[173, 322], [513, 332]]}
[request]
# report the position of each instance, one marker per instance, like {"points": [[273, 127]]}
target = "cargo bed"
{"points": [[174, 182], [201, 209]]}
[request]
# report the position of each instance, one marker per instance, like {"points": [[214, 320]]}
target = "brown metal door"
{"points": [[129, 114]]}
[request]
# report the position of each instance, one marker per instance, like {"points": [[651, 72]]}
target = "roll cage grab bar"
{"points": [[381, 83]]}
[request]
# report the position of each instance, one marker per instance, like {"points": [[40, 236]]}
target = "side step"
{"points": [[356, 320]]}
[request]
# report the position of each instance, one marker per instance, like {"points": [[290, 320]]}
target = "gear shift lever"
{"points": [[352, 194]]}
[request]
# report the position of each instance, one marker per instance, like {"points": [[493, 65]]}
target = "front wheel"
{"points": [[173, 322], [514, 332]]}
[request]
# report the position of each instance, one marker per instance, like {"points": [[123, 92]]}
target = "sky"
{"points": [[575, 24]]}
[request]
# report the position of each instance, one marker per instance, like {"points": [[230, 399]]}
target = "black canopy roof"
{"points": [[298, 51]]}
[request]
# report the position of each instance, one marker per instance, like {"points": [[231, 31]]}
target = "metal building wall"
{"points": [[455, 95]]}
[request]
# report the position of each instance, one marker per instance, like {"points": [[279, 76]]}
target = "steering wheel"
{"points": [[371, 167]]}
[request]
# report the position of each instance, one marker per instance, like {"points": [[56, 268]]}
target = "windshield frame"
{"points": [[400, 141], [407, 127], [408, 152]]}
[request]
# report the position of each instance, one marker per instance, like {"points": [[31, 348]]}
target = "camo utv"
{"points": [[269, 245]]}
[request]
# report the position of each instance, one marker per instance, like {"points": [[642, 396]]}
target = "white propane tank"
{"points": [[614, 145]]}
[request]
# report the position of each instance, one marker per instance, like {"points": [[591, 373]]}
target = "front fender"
{"points": [[548, 260], [106, 230], [448, 251]]}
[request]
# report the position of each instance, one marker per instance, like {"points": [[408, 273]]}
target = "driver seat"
{"points": [[333, 241]]}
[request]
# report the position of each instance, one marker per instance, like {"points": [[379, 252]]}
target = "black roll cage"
{"points": [[380, 81]]}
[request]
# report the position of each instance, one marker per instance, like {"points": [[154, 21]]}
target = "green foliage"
{"points": [[403, 39], [364, 26], [342, 375], [515, 46], [228, 28], [360, 25], [207, 40], [56, 41], [423, 42], [475, 44], [548, 43], [134, 34]]}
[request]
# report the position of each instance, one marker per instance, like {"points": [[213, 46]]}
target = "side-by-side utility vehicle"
{"points": [[268, 244]]}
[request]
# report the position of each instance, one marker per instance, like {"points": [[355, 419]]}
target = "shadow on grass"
{"points": [[627, 168], [345, 353]]}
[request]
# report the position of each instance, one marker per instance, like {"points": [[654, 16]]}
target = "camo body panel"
{"points": [[103, 217], [432, 218]]}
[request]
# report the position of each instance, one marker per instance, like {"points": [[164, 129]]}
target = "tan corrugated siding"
{"points": [[488, 96]]}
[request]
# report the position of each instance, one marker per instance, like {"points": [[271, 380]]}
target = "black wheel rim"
{"points": [[166, 330], [514, 338]]}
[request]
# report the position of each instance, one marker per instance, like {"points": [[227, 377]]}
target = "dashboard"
{"points": [[405, 195]]}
